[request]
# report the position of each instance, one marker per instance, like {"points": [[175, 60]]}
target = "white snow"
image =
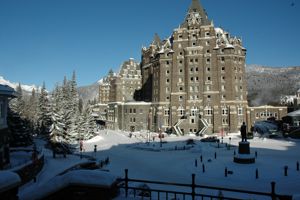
{"points": [[8, 180], [151, 162], [83, 177], [26, 88]]}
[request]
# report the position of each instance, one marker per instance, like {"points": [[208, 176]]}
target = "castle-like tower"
{"points": [[195, 76], [191, 82]]}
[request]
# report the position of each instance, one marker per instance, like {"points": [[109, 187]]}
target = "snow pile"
{"points": [[8, 180], [223, 38], [94, 139], [77, 177]]}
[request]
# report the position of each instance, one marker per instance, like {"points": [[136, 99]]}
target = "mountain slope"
{"points": [[26, 88], [267, 84]]}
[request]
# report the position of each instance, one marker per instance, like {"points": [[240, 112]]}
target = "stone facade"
{"points": [[121, 87], [196, 74], [263, 113], [192, 79]]}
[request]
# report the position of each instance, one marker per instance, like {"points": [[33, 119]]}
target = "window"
{"points": [[191, 60], [208, 87], [208, 69], [180, 53], [208, 78], [240, 111], [207, 60], [208, 111], [180, 89], [223, 68], [207, 34], [167, 72], [180, 70], [222, 59], [168, 80], [194, 44], [224, 121], [194, 111], [191, 88], [207, 51], [224, 111], [222, 87], [130, 110], [181, 111], [179, 36], [180, 98], [196, 60], [167, 111], [196, 69], [167, 62], [192, 121]]}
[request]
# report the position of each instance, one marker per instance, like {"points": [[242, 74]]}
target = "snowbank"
{"points": [[8, 180], [78, 177]]}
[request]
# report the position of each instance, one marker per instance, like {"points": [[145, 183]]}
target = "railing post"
{"points": [[193, 186], [273, 194], [126, 183]]}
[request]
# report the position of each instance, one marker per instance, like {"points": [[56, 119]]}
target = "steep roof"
{"points": [[196, 10], [5, 90], [156, 40]]}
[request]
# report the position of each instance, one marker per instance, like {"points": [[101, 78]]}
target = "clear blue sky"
{"points": [[43, 40]]}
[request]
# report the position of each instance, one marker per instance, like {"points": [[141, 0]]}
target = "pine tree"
{"points": [[57, 130], [17, 123], [89, 126], [20, 132], [43, 111], [31, 111]]}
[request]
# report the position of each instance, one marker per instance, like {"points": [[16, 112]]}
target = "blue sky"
{"points": [[44, 40]]}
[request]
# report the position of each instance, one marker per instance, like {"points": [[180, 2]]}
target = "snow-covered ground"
{"points": [[152, 162]]}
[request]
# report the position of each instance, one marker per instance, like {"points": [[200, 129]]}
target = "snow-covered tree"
{"points": [[18, 124], [43, 111], [58, 127], [20, 132], [88, 124]]}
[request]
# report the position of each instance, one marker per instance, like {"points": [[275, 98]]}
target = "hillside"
{"points": [[267, 84]]}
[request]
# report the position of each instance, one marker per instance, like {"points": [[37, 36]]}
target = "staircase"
{"points": [[177, 128]]}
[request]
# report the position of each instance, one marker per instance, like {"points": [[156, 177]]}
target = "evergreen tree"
{"points": [[58, 128], [31, 111], [17, 123], [88, 124], [43, 111]]}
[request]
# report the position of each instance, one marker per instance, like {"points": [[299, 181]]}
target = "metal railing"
{"points": [[191, 191]]}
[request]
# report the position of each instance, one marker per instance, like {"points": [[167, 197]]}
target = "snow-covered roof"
{"points": [[295, 113], [8, 180], [5, 90], [77, 177]]}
